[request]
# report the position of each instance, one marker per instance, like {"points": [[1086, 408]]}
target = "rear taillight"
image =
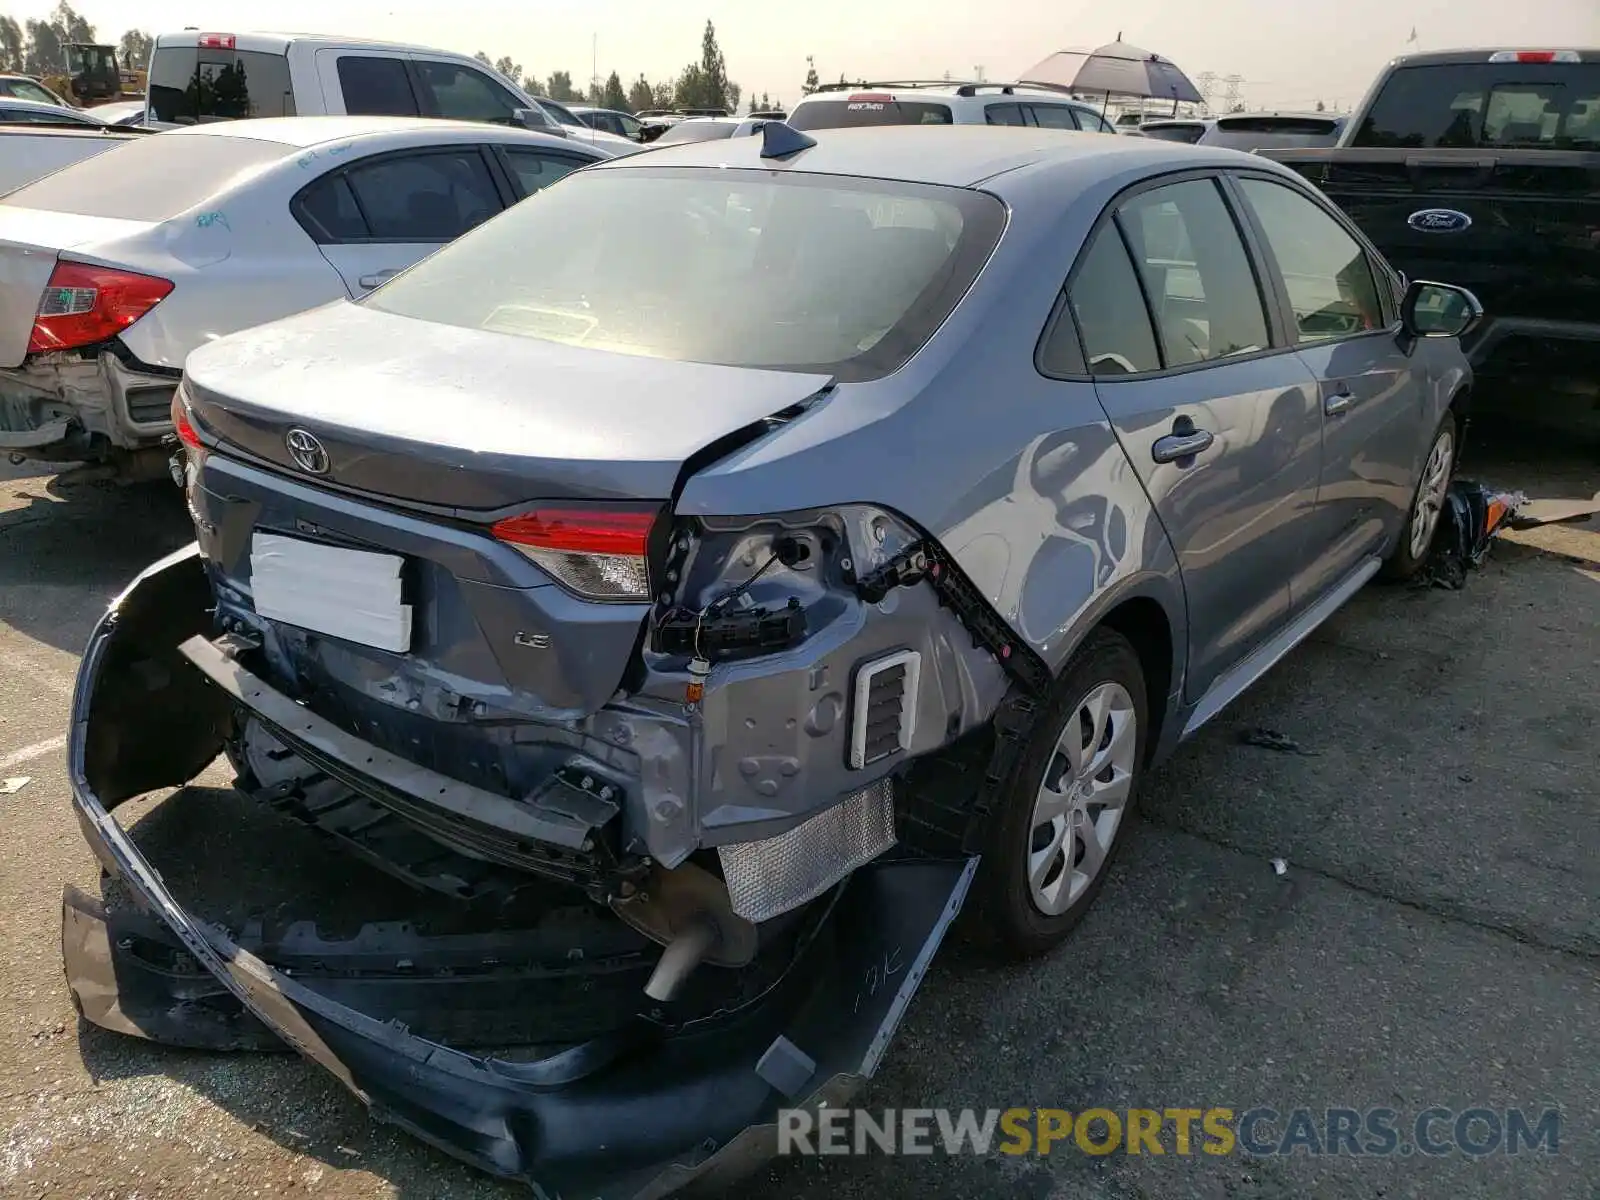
{"points": [[186, 470], [84, 304], [599, 553], [1535, 56]]}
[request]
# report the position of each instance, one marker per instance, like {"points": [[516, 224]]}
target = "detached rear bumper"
{"points": [[638, 1113]]}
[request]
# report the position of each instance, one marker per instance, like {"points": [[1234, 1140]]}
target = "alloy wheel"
{"points": [[1082, 798], [1431, 493]]}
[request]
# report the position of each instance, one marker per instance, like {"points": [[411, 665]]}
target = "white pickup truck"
{"points": [[198, 77]]}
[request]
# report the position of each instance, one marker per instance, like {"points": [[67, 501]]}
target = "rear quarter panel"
{"points": [[1019, 477], [238, 260]]}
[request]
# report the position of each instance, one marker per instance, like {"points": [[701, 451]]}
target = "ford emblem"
{"points": [[1439, 220]]}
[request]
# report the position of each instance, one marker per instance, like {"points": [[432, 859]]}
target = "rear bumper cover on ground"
{"points": [[641, 1113]]}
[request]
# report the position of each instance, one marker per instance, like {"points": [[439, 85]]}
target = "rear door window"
{"points": [[433, 197], [189, 85], [882, 110], [460, 93], [375, 86], [1203, 291], [328, 211], [1004, 114], [1054, 116], [536, 169]]}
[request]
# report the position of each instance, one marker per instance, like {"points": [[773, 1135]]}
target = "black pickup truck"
{"points": [[1482, 168]]}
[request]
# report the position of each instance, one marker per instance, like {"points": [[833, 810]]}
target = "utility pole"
{"points": [[1230, 98], [594, 69], [1207, 87], [977, 74]]}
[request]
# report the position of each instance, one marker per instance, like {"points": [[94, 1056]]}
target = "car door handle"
{"points": [[1338, 403], [1176, 446], [372, 281]]}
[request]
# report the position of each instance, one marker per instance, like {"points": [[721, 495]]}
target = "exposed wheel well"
{"points": [[1144, 623]]}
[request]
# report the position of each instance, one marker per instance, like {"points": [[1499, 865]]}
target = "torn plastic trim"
{"points": [[629, 1118]]}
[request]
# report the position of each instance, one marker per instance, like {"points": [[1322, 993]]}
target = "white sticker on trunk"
{"points": [[350, 594]]}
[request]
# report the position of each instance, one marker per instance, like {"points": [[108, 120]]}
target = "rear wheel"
{"points": [[1064, 814], [1427, 502]]}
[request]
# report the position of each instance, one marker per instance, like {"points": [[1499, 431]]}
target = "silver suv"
{"points": [[919, 102]]}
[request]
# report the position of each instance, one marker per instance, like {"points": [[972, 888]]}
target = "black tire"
{"points": [[1012, 920], [1403, 563]]}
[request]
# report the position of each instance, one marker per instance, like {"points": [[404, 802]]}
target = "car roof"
{"points": [[955, 90], [277, 41], [950, 155], [302, 132], [1451, 58]]}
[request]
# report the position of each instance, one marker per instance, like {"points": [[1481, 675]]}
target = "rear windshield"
{"points": [[853, 114], [151, 178], [1174, 133], [847, 277], [697, 131], [190, 86], [1550, 106]]}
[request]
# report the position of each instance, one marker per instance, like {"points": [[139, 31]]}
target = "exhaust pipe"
{"points": [[688, 911]]}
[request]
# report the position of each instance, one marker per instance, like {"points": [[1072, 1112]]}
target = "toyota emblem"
{"points": [[307, 452]]}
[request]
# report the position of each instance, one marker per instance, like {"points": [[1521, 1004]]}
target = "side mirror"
{"points": [[1439, 310], [536, 120]]}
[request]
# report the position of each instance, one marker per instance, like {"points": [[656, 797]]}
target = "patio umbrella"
{"points": [[1117, 69]]}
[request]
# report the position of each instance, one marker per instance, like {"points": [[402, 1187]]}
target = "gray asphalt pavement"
{"points": [[1435, 940]]}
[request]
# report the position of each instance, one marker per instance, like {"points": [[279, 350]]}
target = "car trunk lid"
{"points": [[435, 416], [31, 240]]}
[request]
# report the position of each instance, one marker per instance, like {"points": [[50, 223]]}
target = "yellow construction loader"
{"points": [[93, 76]]}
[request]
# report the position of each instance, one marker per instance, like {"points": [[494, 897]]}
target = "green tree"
{"points": [[134, 49], [69, 25], [731, 96], [641, 95], [483, 58], [690, 89], [714, 72], [613, 96], [752, 107], [13, 51], [812, 83], [510, 69], [559, 86], [44, 54], [664, 93]]}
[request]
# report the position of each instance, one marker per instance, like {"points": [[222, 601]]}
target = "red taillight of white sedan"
{"points": [[85, 304]]}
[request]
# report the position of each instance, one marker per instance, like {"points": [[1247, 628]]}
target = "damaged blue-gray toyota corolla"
{"points": [[738, 550]]}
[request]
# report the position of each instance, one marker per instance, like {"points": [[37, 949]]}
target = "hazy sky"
{"points": [[1290, 52]]}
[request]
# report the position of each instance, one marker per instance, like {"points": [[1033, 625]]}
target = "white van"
{"points": [[197, 77]]}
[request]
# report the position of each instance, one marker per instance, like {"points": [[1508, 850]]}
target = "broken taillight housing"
{"points": [[84, 304], [194, 450], [600, 553]]}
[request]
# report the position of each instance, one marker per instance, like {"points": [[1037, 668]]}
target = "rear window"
{"points": [[1174, 133], [190, 86], [697, 131], [149, 179], [26, 89], [1552, 106], [855, 114], [796, 272], [1304, 126]]}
